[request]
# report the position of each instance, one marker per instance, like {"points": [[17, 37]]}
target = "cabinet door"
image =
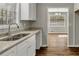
{"points": [[32, 46], [38, 40], [10, 52], [22, 49], [30, 50], [24, 11], [32, 13], [27, 47], [28, 11]]}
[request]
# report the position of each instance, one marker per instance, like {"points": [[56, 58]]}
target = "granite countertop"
{"points": [[5, 45]]}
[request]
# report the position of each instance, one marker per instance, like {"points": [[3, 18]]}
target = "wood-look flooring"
{"points": [[57, 46]]}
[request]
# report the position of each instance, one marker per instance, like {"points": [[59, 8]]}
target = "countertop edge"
{"points": [[16, 43]]}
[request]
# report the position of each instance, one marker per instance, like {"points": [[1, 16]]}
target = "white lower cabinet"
{"points": [[38, 40], [25, 48], [32, 46], [10, 52], [22, 49]]}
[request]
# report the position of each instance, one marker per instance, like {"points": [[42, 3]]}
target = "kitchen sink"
{"points": [[15, 37]]}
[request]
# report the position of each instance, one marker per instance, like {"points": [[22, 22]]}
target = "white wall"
{"points": [[42, 18], [76, 29]]}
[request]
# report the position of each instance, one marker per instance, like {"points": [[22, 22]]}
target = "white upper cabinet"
{"points": [[28, 11], [76, 6]]}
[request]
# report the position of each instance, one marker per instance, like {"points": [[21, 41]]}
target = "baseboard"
{"points": [[76, 45], [38, 48], [73, 46], [70, 46], [67, 46], [44, 46]]}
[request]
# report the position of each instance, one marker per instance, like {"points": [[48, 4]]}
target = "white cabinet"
{"points": [[25, 48], [32, 46], [28, 11], [10, 52], [38, 39], [76, 6], [22, 49]]}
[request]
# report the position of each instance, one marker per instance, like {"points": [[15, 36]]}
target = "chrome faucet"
{"points": [[10, 28]]}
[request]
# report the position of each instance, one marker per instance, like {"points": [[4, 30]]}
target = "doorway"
{"points": [[58, 27]]}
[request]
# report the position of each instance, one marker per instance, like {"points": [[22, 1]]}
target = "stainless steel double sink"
{"points": [[15, 37]]}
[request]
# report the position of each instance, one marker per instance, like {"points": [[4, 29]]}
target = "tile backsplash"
{"points": [[13, 28]]}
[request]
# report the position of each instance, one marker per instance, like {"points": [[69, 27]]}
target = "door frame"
{"points": [[67, 26]]}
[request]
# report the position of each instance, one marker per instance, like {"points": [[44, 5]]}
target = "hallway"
{"points": [[57, 46]]}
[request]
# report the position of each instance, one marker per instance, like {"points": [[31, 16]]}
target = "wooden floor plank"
{"points": [[57, 46]]}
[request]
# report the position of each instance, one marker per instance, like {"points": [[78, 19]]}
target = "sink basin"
{"points": [[15, 37]]}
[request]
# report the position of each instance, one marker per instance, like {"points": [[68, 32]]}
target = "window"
{"points": [[56, 19], [7, 13]]}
